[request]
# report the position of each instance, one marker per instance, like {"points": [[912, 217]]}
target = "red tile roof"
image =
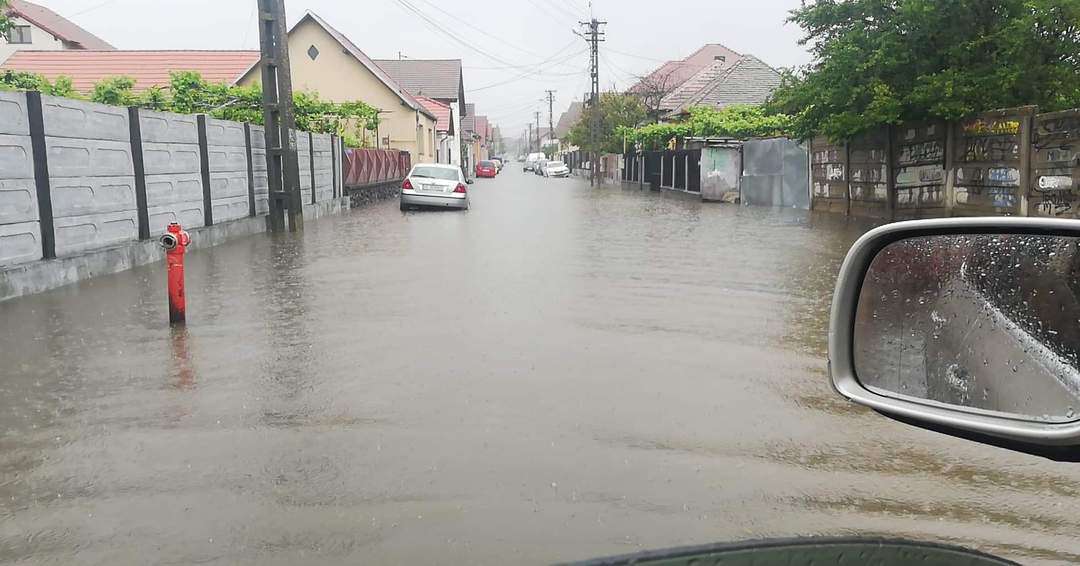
{"points": [[673, 74], [441, 112], [59, 26], [148, 68]]}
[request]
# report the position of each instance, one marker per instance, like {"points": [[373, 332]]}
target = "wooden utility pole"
{"points": [[529, 145], [283, 169]]}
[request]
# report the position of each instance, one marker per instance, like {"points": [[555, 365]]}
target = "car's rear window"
{"points": [[487, 164], [435, 173], [556, 164]]}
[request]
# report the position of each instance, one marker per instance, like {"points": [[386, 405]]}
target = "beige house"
{"points": [[326, 62], [37, 28]]}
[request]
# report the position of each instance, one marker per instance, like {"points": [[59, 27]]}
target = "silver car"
{"points": [[436, 185]]}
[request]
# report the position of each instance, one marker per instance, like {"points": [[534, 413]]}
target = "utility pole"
{"points": [[283, 169], [594, 36], [551, 115], [539, 146], [529, 145]]}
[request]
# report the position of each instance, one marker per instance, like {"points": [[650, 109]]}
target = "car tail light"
{"points": [[460, 188], [406, 186]]}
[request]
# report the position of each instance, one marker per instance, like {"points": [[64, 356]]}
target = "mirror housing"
{"points": [[1052, 439]]}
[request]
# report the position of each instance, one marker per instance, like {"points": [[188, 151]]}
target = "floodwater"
{"points": [[559, 373]]}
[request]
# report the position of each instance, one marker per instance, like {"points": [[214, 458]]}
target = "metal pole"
{"points": [[551, 115]]}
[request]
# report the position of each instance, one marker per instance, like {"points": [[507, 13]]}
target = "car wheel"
{"points": [[403, 206]]}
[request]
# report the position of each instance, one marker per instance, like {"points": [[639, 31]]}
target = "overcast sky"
{"points": [[522, 33]]}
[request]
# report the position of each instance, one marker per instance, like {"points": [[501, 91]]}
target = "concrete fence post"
{"points": [[847, 178], [139, 169], [250, 169], [36, 119], [334, 166], [204, 170], [311, 162], [890, 173]]}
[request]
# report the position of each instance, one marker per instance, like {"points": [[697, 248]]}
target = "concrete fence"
{"points": [[1006, 162], [77, 176]]}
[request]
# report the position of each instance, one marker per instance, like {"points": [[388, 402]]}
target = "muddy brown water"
{"points": [[559, 373]]}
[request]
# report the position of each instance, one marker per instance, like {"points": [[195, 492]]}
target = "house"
{"points": [[446, 135], [749, 81], [147, 68], [436, 79], [567, 121], [38, 28], [324, 61], [475, 134], [727, 76]]}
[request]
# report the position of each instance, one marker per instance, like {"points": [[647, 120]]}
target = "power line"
{"points": [[468, 24], [432, 23], [91, 8], [638, 56], [527, 74], [547, 13]]}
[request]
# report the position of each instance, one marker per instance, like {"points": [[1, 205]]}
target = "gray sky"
{"points": [[522, 33]]}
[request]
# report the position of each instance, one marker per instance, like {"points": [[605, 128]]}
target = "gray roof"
{"points": [[694, 85], [433, 78], [569, 119], [749, 81]]}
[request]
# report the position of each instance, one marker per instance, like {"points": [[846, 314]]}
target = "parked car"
{"points": [[486, 168], [498, 164], [539, 169], [556, 169], [531, 160], [435, 185]]}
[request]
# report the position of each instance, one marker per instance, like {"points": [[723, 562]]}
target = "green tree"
{"points": [[117, 91], [617, 112], [886, 61]]}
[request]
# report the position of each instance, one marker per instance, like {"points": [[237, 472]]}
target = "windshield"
{"points": [[556, 164], [435, 173], [487, 163]]}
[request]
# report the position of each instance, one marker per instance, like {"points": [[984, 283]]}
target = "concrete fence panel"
{"points": [[171, 163], [991, 163], [324, 167], [1055, 183], [91, 174], [918, 171], [228, 163], [868, 172], [258, 165], [303, 156], [20, 229], [828, 175]]}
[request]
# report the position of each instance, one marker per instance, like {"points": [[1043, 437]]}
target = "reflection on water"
{"points": [[555, 375]]}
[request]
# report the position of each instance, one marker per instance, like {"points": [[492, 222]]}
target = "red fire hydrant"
{"points": [[175, 241]]}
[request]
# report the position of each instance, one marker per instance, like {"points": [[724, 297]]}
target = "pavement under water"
{"points": [[559, 373]]}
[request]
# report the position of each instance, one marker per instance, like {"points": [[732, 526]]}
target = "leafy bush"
{"points": [[189, 93], [741, 121]]}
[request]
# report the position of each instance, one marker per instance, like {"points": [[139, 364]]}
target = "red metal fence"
{"points": [[375, 166]]}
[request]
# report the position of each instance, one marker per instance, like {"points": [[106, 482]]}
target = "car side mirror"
{"points": [[966, 326]]}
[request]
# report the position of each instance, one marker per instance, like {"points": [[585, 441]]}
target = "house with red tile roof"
{"points": [[147, 68], [444, 128], [35, 27]]}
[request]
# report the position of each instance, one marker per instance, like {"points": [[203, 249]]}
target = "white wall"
{"points": [[41, 41]]}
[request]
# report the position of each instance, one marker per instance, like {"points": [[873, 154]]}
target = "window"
{"points": [[420, 139], [313, 52], [19, 34]]}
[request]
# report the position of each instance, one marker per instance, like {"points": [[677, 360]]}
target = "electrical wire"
{"points": [[527, 74], [470, 25], [637, 56]]}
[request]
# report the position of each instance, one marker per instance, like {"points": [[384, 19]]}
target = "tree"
{"points": [[885, 61], [5, 20], [617, 111], [652, 90]]}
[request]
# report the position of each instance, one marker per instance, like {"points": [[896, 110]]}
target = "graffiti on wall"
{"points": [[919, 169], [989, 156], [828, 173], [1055, 186]]}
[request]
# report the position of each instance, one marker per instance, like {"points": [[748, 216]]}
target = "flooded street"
{"points": [[558, 373]]}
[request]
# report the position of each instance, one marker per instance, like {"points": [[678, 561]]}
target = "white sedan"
{"points": [[556, 169], [435, 185]]}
